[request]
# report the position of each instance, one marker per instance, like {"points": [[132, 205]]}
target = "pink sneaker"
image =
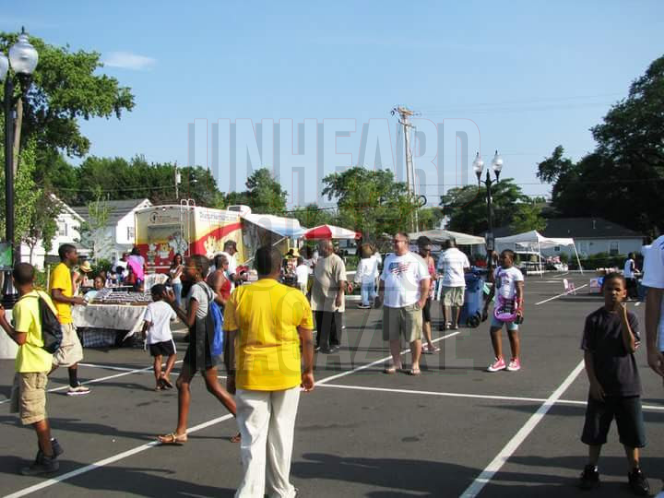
{"points": [[515, 365], [497, 365]]}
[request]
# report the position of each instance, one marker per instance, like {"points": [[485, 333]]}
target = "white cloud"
{"points": [[127, 60]]}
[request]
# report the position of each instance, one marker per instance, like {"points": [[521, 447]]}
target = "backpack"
{"points": [[50, 326], [215, 321]]}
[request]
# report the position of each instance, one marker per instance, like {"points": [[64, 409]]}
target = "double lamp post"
{"points": [[478, 166], [21, 63]]}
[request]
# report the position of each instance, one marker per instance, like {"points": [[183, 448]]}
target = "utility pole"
{"points": [[178, 178], [405, 114]]}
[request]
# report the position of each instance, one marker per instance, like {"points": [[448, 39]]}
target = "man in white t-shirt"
{"points": [[404, 288], [508, 288], [653, 279], [452, 265]]}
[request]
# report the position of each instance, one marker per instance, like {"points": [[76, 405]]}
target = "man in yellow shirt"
{"points": [[32, 366], [62, 292], [267, 322]]}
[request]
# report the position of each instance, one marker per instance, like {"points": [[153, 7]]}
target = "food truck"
{"points": [[164, 231]]}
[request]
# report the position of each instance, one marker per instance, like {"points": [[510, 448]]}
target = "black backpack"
{"points": [[50, 326]]}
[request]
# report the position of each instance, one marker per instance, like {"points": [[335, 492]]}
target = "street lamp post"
{"points": [[22, 60], [478, 166]]}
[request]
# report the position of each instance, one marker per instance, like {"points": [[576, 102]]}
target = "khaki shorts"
{"points": [[29, 396], [453, 296], [71, 351], [406, 322]]}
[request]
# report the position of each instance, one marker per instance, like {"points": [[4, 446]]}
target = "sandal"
{"points": [[428, 350], [172, 438], [414, 371], [390, 370], [165, 382], [237, 438]]}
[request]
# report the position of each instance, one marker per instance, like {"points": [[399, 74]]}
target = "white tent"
{"points": [[536, 240], [439, 236]]}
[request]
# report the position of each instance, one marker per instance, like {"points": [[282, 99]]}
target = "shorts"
{"points": [[498, 324], [629, 419], [28, 397], [165, 348], [426, 311], [453, 296], [71, 351], [406, 322]]}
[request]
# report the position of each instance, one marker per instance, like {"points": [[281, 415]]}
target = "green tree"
{"points": [[311, 216], [528, 217], [42, 224], [67, 87], [26, 194], [265, 193], [466, 206], [430, 218], [94, 232], [370, 201], [623, 178]]}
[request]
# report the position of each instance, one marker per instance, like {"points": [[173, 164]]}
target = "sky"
{"points": [[521, 77]]}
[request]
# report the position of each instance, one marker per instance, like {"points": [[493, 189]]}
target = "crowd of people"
{"points": [[269, 348]]}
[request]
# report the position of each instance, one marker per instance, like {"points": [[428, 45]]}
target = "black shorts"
{"points": [[426, 311], [629, 419], [166, 348]]}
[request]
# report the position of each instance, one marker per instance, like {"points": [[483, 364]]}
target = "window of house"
{"points": [[614, 248], [62, 229], [557, 248], [130, 233]]}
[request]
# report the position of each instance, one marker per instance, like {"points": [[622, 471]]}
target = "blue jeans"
{"points": [[177, 290], [368, 292]]}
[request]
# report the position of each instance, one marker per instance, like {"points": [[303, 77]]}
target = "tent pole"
{"points": [[577, 259]]}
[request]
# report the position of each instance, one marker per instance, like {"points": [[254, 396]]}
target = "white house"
{"points": [[120, 233]]}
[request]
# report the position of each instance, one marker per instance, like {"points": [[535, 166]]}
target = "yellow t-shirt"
{"points": [[266, 315], [31, 357], [61, 279]]}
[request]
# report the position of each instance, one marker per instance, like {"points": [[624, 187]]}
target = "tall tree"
{"points": [[42, 224], [466, 206], [264, 194], [623, 179], [311, 215], [67, 87], [370, 201], [528, 217]]}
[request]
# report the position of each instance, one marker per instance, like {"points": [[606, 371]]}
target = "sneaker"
{"points": [[515, 365], [79, 390], [363, 306], [497, 365], [638, 483], [57, 449], [41, 465], [589, 478]]}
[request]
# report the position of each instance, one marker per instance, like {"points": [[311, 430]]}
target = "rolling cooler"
{"points": [[471, 312]]}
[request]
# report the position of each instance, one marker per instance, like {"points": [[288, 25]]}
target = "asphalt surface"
{"points": [[361, 432]]}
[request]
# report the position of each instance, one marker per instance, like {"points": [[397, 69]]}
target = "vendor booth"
{"points": [[535, 241], [440, 236]]}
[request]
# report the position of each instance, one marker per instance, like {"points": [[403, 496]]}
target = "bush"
{"points": [[599, 260], [564, 257]]}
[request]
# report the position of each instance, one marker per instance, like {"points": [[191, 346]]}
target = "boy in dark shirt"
{"points": [[610, 338]]}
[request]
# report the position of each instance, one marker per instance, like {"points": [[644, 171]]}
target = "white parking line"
{"points": [[95, 381], [147, 446], [107, 461], [472, 396], [514, 443], [561, 295]]}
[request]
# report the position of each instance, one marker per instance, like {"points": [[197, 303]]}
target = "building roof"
{"points": [[116, 209], [579, 228]]}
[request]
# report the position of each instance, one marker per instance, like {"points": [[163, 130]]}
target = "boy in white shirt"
{"points": [[157, 328], [302, 272], [508, 283]]}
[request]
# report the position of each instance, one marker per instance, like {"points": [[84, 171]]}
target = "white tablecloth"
{"points": [[110, 316]]}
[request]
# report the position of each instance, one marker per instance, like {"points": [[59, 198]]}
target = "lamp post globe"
{"points": [[478, 166], [23, 56], [4, 66]]}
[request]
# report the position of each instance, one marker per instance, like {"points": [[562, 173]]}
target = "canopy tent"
{"points": [[286, 227], [439, 236], [330, 232], [536, 240]]}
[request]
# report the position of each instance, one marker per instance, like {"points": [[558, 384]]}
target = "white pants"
{"points": [[266, 420]]}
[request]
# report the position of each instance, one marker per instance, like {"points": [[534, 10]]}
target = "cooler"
{"points": [[471, 312]]}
